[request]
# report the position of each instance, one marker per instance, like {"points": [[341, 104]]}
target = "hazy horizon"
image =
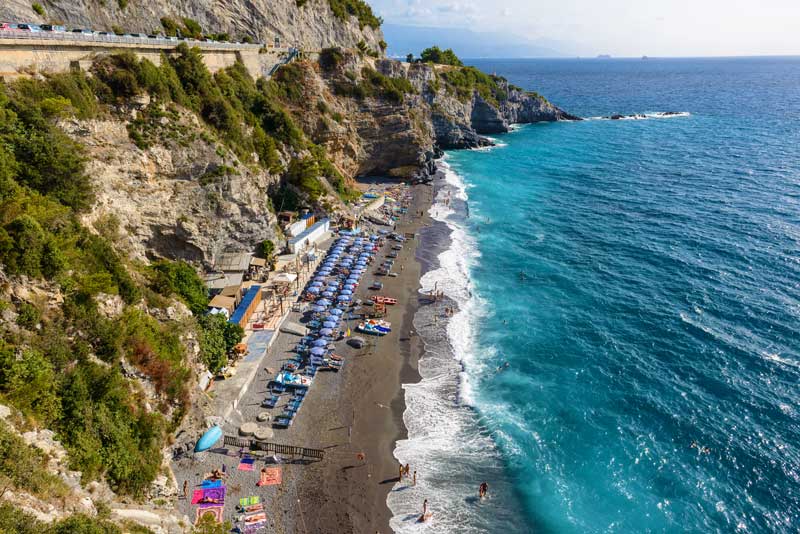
{"points": [[620, 28]]}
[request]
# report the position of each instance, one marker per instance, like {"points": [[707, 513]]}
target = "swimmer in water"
{"points": [[483, 489]]}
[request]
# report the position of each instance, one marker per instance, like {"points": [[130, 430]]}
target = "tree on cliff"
{"points": [[443, 57]]}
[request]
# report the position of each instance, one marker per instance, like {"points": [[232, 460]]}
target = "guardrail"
{"points": [[121, 39]]}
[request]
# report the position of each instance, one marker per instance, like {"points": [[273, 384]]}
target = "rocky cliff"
{"points": [[312, 26]]}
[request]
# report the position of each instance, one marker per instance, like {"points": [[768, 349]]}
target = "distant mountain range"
{"points": [[467, 43]]}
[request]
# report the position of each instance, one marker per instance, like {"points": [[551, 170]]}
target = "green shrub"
{"points": [[180, 278], [25, 467], [342, 9], [330, 58], [122, 4], [38, 9], [191, 28], [443, 57], [117, 29], [266, 249], [28, 315], [171, 28], [217, 339]]}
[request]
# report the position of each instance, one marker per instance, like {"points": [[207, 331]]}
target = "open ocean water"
{"points": [[640, 278]]}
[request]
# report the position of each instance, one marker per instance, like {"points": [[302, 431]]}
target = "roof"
{"points": [[223, 280], [221, 301], [246, 301], [258, 262], [284, 277], [231, 291], [234, 261]]}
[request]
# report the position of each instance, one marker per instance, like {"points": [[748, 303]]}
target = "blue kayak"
{"points": [[209, 439]]}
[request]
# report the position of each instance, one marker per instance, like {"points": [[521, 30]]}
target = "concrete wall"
{"points": [[31, 56]]}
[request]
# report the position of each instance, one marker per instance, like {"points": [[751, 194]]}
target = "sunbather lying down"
{"points": [[216, 474], [206, 500]]}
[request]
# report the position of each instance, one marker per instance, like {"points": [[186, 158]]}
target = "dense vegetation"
{"points": [[359, 9], [375, 84], [25, 468], [441, 57], [14, 520], [61, 367]]}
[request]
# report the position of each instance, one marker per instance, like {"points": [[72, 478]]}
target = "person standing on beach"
{"points": [[414, 483], [407, 470], [400, 476], [186, 488]]}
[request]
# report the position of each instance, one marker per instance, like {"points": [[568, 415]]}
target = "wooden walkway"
{"points": [[274, 448]]}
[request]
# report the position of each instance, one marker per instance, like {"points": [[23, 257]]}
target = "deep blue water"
{"points": [[641, 280]]}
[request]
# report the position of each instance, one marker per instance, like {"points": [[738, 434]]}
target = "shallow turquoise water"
{"points": [[641, 280]]}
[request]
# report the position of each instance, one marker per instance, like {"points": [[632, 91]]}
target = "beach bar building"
{"points": [[247, 307], [311, 235]]}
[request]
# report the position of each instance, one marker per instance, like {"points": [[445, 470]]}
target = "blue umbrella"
{"points": [[343, 298], [319, 351], [327, 293], [318, 309], [329, 324], [324, 332], [323, 302], [346, 292], [336, 311], [320, 343], [313, 290], [315, 283]]}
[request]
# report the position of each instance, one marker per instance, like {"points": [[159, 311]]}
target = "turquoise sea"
{"points": [[641, 278]]}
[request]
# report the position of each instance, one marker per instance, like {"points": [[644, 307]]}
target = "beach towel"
{"points": [[249, 501], [196, 496], [215, 496], [215, 512], [253, 508], [271, 476], [255, 519], [246, 464], [211, 483]]}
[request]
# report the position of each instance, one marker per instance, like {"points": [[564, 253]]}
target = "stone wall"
{"points": [[30, 56]]}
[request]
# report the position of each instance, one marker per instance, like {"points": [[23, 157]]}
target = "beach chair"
{"points": [[270, 401], [282, 422], [278, 388]]}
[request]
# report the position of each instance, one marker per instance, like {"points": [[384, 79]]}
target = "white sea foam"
{"points": [[445, 443], [644, 116]]}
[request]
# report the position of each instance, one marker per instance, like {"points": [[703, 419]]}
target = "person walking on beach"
{"points": [[414, 483], [185, 489], [400, 475], [407, 470]]}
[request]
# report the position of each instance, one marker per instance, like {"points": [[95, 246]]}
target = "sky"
{"points": [[620, 27]]}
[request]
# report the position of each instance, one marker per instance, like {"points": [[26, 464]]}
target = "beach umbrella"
{"points": [[323, 302], [313, 290], [319, 351], [346, 292], [336, 311], [329, 324], [320, 342], [327, 294], [318, 309], [324, 332], [343, 298], [319, 278], [315, 283]]}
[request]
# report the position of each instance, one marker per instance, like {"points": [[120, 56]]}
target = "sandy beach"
{"points": [[354, 415]]}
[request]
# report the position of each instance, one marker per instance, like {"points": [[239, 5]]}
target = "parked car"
{"points": [[29, 27], [82, 31], [135, 35], [53, 28], [6, 27]]}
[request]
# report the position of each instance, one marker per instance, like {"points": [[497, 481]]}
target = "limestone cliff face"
{"points": [[379, 135], [176, 199], [312, 26]]}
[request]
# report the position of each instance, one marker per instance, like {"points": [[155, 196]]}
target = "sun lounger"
{"points": [[249, 501], [270, 402]]}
